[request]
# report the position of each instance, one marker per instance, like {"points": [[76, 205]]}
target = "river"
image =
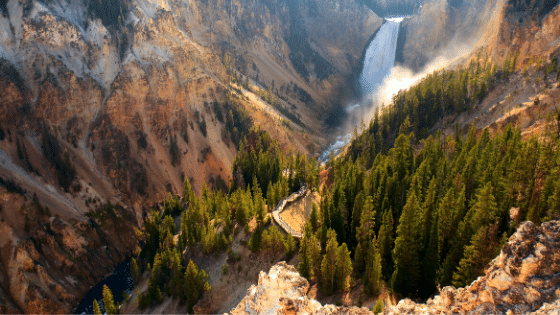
{"points": [[118, 281]]}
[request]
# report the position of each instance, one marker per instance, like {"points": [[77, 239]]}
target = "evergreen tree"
{"points": [[108, 302], [96, 309], [328, 264], [134, 270], [260, 210], [188, 194], [357, 215], [315, 256], [314, 217], [305, 264], [385, 244], [195, 283], [365, 231], [372, 279], [256, 239], [484, 246], [406, 253], [290, 245], [343, 268], [359, 258]]}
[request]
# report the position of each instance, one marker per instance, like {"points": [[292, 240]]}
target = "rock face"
{"points": [[523, 279], [451, 29], [532, 29], [284, 291], [448, 29]]}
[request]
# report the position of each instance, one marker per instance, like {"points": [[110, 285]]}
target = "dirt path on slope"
{"points": [[297, 213]]}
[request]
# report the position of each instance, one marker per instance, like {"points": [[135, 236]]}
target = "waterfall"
{"points": [[380, 57], [378, 62]]}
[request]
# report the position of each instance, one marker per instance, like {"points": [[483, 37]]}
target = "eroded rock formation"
{"points": [[523, 279], [284, 291]]}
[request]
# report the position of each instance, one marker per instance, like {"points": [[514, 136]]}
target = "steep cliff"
{"points": [[523, 279], [447, 30]]}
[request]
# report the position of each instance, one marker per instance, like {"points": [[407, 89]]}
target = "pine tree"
{"points": [[372, 279], [260, 210], [304, 265], [356, 215], [485, 245], [485, 209], [315, 256], [314, 217], [96, 309], [290, 245], [343, 268], [365, 231], [195, 283], [386, 243], [256, 239], [430, 262], [108, 301], [188, 194], [328, 264], [359, 258], [134, 270], [406, 253]]}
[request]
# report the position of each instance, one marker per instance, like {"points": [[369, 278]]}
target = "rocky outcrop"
{"points": [[523, 279], [284, 291]]}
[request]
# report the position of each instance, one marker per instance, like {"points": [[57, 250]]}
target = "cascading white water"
{"points": [[378, 63], [380, 57]]}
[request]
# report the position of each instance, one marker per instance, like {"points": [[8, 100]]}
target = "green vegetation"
{"points": [[108, 301], [238, 121], [418, 109], [96, 309], [452, 203], [207, 222], [134, 270], [378, 307], [414, 210]]}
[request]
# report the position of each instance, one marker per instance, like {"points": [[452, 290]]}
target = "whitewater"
{"points": [[379, 60], [380, 57]]}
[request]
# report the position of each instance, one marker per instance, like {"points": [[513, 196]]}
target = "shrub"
{"points": [[378, 307]]}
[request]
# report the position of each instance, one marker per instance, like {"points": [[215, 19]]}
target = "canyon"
{"points": [[107, 106]]}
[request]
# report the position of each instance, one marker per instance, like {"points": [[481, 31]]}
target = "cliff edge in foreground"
{"points": [[523, 279]]}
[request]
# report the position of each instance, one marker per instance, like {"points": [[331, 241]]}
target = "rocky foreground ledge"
{"points": [[523, 279]]}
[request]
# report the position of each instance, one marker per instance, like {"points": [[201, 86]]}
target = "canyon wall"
{"points": [[106, 106], [443, 31]]}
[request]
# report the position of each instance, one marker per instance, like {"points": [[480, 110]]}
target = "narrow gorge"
{"points": [[145, 144]]}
